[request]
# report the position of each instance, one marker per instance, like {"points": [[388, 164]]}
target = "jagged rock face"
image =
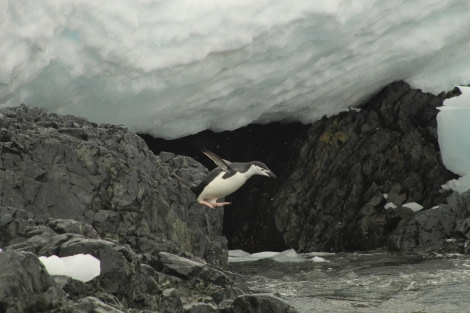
{"points": [[444, 228], [25, 284], [68, 186], [259, 303], [128, 280], [65, 167], [333, 198]]}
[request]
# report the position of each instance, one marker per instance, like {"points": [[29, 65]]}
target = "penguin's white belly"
{"points": [[221, 187]]}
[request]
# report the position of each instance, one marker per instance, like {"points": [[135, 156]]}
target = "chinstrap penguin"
{"points": [[226, 178]]}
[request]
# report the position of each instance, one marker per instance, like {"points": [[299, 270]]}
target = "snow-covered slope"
{"points": [[175, 67]]}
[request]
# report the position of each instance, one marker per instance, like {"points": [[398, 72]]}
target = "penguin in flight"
{"points": [[226, 178]]}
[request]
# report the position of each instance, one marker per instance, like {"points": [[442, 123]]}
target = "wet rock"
{"points": [[218, 285], [72, 226], [89, 304], [259, 304], [170, 301], [180, 266], [128, 279], [25, 285], [445, 228], [200, 308], [75, 289]]}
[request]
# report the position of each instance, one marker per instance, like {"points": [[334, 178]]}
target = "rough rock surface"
{"points": [[352, 165], [105, 177], [68, 186], [444, 228], [335, 176], [258, 304], [128, 280]]}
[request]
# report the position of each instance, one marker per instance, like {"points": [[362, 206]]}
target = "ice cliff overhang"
{"points": [[172, 68]]}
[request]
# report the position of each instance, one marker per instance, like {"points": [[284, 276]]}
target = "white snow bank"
{"points": [[176, 67], [453, 127], [82, 267]]}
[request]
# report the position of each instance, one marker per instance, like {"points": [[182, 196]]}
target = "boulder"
{"points": [[259, 303], [25, 285], [65, 167], [88, 304], [352, 164], [200, 307], [444, 228], [128, 279]]}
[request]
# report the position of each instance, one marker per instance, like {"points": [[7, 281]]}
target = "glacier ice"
{"points": [[413, 206], [176, 67], [454, 138]]}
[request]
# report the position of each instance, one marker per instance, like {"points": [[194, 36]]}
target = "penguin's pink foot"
{"points": [[207, 203], [222, 203], [212, 205]]}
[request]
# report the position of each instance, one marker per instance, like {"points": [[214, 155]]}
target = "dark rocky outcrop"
{"points": [[25, 286], [68, 186], [333, 175], [444, 228], [105, 177], [258, 304], [164, 282], [353, 164]]}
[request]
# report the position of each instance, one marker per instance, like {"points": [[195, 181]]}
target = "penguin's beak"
{"points": [[271, 174]]}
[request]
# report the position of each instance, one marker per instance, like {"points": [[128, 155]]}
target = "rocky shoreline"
{"points": [[70, 186]]}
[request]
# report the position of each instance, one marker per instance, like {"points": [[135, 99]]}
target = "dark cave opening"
{"points": [[275, 144]]}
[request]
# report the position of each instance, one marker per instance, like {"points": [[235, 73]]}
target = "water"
{"points": [[364, 282]]}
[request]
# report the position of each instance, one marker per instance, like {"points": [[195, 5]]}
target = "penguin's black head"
{"points": [[262, 169]]}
